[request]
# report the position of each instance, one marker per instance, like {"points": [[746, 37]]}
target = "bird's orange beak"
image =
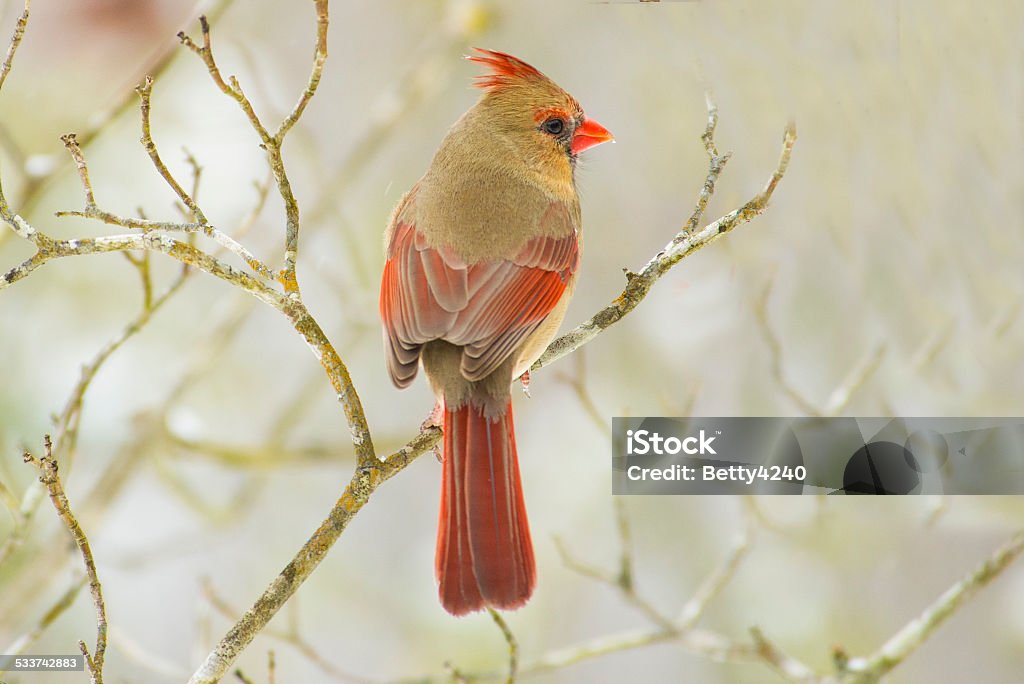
{"points": [[589, 134]]}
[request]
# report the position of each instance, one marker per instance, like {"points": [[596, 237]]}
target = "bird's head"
{"points": [[538, 117]]}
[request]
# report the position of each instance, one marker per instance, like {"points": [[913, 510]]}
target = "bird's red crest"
{"points": [[504, 69]]}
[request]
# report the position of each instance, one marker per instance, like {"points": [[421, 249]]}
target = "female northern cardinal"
{"points": [[482, 256]]}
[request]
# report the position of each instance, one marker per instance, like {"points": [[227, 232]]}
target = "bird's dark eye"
{"points": [[554, 126]]}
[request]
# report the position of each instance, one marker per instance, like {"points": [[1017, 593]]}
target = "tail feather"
{"points": [[484, 552], [454, 560]]}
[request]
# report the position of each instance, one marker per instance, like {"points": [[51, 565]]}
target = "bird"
{"points": [[482, 255]]}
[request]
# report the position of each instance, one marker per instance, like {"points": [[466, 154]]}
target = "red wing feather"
{"points": [[488, 307]]}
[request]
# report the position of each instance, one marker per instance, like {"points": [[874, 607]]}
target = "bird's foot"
{"points": [[436, 417], [435, 420], [525, 379]]}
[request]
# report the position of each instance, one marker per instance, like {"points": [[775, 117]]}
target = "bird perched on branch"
{"points": [[482, 256]]}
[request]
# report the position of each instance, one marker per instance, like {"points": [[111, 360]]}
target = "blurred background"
{"points": [[885, 279]]}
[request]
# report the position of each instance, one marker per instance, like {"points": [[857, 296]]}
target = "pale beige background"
{"points": [[899, 223]]}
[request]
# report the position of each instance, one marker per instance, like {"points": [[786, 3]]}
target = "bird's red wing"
{"points": [[487, 308]]}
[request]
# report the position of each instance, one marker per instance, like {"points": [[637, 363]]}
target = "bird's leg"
{"points": [[525, 379], [435, 420]]}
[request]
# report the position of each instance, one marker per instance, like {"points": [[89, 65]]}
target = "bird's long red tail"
{"points": [[484, 554]]}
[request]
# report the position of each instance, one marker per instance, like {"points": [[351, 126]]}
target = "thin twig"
{"points": [[149, 432], [776, 355], [12, 49], [48, 476], [712, 586], [682, 630], [68, 421], [627, 575], [792, 670], [578, 382], [287, 276], [933, 345], [205, 53], [131, 650], [840, 397], [716, 163], [256, 456], [513, 645], [71, 143], [197, 174], [319, 59], [145, 91], [10, 501]]}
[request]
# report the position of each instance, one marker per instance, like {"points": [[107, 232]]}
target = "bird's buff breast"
{"points": [[488, 214]]}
